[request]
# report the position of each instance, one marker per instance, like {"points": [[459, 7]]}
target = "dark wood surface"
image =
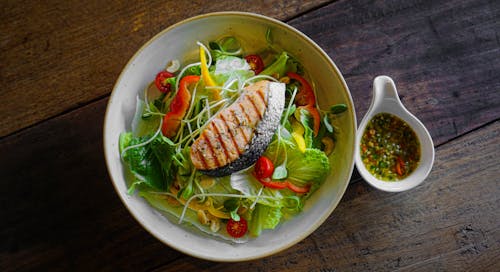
{"points": [[58, 64]]}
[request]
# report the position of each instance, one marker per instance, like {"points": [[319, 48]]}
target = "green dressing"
{"points": [[390, 149]]}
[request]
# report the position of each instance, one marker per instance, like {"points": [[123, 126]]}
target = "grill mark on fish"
{"points": [[240, 127], [200, 158], [216, 147], [251, 113], [212, 163], [221, 134], [235, 130], [262, 96], [242, 118], [230, 131], [254, 107], [254, 103], [248, 128]]}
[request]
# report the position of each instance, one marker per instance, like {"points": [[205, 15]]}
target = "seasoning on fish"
{"points": [[239, 134], [389, 149]]}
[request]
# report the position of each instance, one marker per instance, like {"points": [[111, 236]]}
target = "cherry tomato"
{"points": [[160, 81], [256, 63], [237, 228], [264, 168]]}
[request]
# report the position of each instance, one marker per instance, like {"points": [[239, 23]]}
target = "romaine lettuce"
{"points": [[264, 217], [310, 167]]}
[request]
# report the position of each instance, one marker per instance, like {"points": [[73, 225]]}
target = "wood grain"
{"points": [[449, 223], [64, 54], [443, 56], [59, 209]]}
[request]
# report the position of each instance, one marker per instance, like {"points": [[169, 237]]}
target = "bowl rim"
{"points": [[290, 242]]}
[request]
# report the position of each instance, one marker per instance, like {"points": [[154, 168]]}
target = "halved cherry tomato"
{"points": [[264, 167], [160, 81], [306, 99], [178, 107], [237, 228], [256, 63]]}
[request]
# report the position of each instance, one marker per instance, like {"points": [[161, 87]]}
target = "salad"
{"points": [[233, 143]]}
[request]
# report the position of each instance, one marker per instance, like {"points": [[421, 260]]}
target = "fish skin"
{"points": [[250, 123]]}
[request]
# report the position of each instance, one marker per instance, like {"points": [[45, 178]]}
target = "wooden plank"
{"points": [[59, 209], [443, 56], [61, 213], [68, 53], [448, 223]]}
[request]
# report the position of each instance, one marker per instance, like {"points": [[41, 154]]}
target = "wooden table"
{"points": [[58, 64]]}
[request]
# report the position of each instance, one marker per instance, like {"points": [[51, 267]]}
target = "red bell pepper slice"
{"points": [[298, 189], [267, 182], [178, 107], [305, 96], [306, 99], [273, 184]]}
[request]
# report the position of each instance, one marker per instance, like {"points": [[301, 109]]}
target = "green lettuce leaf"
{"points": [[310, 167], [164, 151], [279, 67], [151, 164], [193, 70], [229, 68], [308, 123], [264, 217]]}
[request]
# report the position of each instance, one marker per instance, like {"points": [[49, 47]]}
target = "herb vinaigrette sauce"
{"points": [[390, 149]]}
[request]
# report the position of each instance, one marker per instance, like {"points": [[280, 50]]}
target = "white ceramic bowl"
{"points": [[179, 41]]}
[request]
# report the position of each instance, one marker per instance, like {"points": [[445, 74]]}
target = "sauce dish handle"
{"points": [[384, 89]]}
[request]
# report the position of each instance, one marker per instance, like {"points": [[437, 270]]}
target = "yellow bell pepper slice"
{"points": [[204, 69], [217, 213], [205, 75], [297, 134], [207, 206]]}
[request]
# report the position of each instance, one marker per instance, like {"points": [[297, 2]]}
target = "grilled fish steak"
{"points": [[238, 135]]}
